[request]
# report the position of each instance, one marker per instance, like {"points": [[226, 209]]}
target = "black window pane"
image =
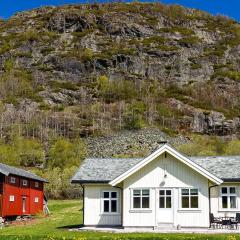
{"points": [[224, 202], [114, 206], [232, 190], [185, 191], [106, 206], [162, 192], [136, 192], [233, 202], [136, 202], [194, 192], [185, 202], [113, 194], [161, 202], [145, 202], [145, 192], [194, 202], [168, 192], [224, 190], [168, 202], [105, 194]]}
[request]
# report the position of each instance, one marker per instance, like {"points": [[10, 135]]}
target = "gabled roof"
{"points": [[7, 170], [177, 155], [111, 170]]}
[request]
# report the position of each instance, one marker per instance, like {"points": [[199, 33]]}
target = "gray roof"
{"points": [[225, 167], [106, 169], [6, 170], [103, 169]]}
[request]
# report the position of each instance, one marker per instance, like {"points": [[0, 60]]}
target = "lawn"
{"points": [[68, 213]]}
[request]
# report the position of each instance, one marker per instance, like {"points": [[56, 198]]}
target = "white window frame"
{"points": [[110, 201], [36, 184], [12, 180], [25, 182], [189, 196], [228, 194], [11, 198], [132, 199], [36, 199], [165, 196]]}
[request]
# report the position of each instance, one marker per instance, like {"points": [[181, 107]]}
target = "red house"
{"points": [[21, 192]]}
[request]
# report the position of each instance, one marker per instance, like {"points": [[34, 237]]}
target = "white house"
{"points": [[166, 189]]}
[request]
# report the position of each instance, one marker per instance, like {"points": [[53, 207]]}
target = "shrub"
{"points": [[192, 40], [65, 153], [133, 116], [153, 39]]}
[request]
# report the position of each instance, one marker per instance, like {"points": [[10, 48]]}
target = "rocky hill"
{"points": [[82, 70]]}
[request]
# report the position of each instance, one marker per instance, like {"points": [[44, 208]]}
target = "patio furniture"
{"points": [[226, 222], [236, 221], [215, 222]]}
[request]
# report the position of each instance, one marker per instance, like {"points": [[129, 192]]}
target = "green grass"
{"points": [[68, 213]]}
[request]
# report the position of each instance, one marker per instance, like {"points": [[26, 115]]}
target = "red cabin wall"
{"points": [[18, 190]]}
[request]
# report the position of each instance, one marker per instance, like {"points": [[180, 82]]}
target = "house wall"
{"points": [[216, 198], [18, 191], [93, 209], [178, 176]]}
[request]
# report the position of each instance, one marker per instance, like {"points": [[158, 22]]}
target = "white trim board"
{"points": [[174, 153]]}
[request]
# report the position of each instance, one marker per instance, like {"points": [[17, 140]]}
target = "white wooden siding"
{"points": [[178, 176], [216, 198], [93, 214]]}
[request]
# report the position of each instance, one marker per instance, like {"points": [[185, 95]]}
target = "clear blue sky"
{"points": [[226, 7]]}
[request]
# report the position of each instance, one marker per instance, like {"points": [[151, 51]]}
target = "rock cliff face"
{"points": [[111, 64]]}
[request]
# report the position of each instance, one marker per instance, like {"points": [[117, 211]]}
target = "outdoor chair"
{"points": [[236, 221], [215, 222]]}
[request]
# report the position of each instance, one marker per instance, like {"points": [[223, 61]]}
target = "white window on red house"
{"points": [[12, 180], [36, 184], [11, 198], [25, 182], [36, 199]]}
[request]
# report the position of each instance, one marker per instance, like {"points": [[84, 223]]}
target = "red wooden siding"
{"points": [[16, 194]]}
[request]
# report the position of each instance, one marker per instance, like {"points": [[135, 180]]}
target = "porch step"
{"points": [[165, 226]]}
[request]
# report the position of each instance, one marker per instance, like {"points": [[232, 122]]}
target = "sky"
{"points": [[229, 8]]}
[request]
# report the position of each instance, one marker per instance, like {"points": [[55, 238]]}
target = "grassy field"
{"points": [[66, 214]]}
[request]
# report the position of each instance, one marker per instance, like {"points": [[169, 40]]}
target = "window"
{"points": [[189, 198], [228, 197], [12, 180], [25, 183], [165, 198], [141, 198], [36, 199], [11, 198], [36, 184], [110, 202]]}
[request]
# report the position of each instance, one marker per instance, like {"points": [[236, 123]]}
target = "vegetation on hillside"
{"points": [[87, 70]]}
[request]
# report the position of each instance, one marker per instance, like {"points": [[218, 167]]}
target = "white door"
{"points": [[165, 206]]}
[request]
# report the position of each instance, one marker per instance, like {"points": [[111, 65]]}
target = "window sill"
{"points": [[109, 214], [189, 210], [229, 210], [140, 211]]}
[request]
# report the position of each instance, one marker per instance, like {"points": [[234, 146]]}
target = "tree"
{"points": [[65, 153]]}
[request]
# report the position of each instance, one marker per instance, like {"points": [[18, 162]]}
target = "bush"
{"points": [[133, 116], [65, 153], [59, 186]]}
